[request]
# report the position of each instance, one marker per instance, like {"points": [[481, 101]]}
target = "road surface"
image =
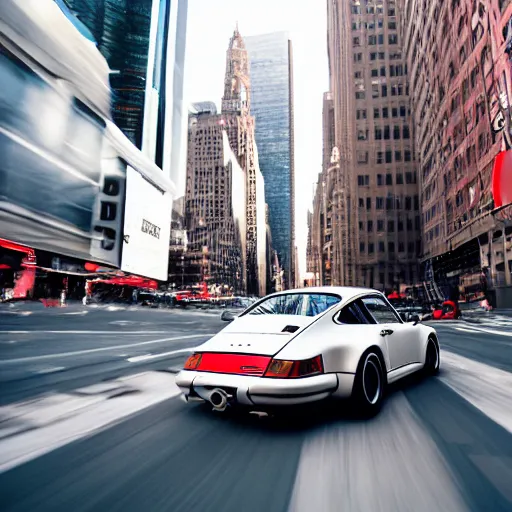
{"points": [[90, 420]]}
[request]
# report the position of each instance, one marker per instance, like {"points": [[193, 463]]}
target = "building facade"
{"points": [[271, 69], [143, 42], [375, 196], [240, 128], [458, 55], [215, 205]]}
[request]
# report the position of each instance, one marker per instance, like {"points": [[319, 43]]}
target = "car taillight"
{"points": [[295, 369], [193, 362]]}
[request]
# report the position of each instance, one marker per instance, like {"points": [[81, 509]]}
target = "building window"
{"points": [[380, 226], [391, 11], [384, 91], [391, 248], [408, 203], [355, 9], [391, 226], [387, 133], [378, 133], [383, 71], [392, 25], [361, 246], [399, 177], [382, 248], [370, 226], [396, 132], [362, 157], [372, 40], [410, 247], [361, 202], [382, 55], [380, 39], [358, 74], [376, 113], [393, 39], [407, 155], [416, 203], [371, 248], [375, 72], [373, 56], [398, 157], [408, 178], [389, 155], [394, 112], [389, 204], [360, 95], [380, 180], [358, 57], [375, 90], [356, 41], [402, 111], [400, 225], [361, 114], [379, 204], [380, 157], [360, 226], [368, 203], [406, 132], [362, 134], [385, 112], [389, 178], [401, 247]]}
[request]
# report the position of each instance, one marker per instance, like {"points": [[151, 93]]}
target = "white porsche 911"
{"points": [[303, 346]]}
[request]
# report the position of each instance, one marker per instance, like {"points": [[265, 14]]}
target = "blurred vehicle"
{"points": [[304, 346], [149, 299], [448, 311]]}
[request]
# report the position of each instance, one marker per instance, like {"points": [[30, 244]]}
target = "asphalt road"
{"points": [[442, 444]]}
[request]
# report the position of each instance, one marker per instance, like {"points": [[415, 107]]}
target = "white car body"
{"points": [[256, 339]]}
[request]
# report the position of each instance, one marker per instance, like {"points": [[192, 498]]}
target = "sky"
{"points": [[210, 26]]}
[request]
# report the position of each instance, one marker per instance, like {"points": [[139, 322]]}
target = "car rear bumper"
{"points": [[259, 391]]}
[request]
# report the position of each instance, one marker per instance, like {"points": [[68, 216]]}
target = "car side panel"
{"points": [[341, 346]]}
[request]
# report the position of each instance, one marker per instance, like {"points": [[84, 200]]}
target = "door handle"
{"points": [[386, 332]]}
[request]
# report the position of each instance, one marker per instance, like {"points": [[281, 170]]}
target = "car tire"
{"points": [[369, 385], [432, 359]]}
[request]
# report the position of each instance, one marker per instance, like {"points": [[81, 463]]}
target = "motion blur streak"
{"points": [[487, 388], [390, 463]]}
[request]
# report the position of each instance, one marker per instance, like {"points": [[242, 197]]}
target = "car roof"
{"points": [[346, 292]]}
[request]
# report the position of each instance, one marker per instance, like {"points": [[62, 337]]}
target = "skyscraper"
{"points": [[240, 127], [376, 230], [461, 88], [270, 60], [215, 208], [143, 42]]}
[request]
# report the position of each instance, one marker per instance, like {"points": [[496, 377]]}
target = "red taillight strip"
{"points": [[240, 364]]}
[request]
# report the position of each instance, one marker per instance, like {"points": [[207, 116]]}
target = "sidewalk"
{"points": [[480, 315]]}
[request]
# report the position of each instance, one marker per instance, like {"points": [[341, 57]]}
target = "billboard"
{"points": [[147, 228]]}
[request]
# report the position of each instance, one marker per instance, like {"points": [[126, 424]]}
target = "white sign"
{"points": [[147, 228]]}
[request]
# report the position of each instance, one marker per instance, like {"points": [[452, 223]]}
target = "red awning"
{"points": [[13, 246], [502, 179], [135, 281]]}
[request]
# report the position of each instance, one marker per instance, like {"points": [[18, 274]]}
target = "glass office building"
{"points": [[270, 57], [143, 42]]}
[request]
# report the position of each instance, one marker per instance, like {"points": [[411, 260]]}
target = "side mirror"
{"points": [[227, 316], [404, 317], [415, 319]]}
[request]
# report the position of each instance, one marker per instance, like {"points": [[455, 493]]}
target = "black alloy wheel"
{"points": [[369, 385], [431, 359]]}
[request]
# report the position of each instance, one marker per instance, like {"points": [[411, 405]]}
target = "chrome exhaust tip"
{"points": [[219, 399]]}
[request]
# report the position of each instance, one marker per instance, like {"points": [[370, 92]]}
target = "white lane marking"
{"points": [[88, 416], [347, 467], [81, 313], [485, 387], [147, 357], [463, 329], [52, 369], [492, 331], [116, 333], [102, 349]]}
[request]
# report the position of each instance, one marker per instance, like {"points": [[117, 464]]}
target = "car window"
{"points": [[382, 312], [352, 314], [302, 304]]}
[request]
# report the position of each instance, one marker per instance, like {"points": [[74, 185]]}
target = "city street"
{"points": [[91, 419]]}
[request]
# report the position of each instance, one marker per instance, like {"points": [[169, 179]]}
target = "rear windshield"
{"points": [[301, 304]]}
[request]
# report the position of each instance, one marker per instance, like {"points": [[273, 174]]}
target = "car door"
{"points": [[400, 339]]}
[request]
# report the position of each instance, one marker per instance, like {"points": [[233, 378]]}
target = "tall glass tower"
{"points": [[143, 42], [270, 59]]}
